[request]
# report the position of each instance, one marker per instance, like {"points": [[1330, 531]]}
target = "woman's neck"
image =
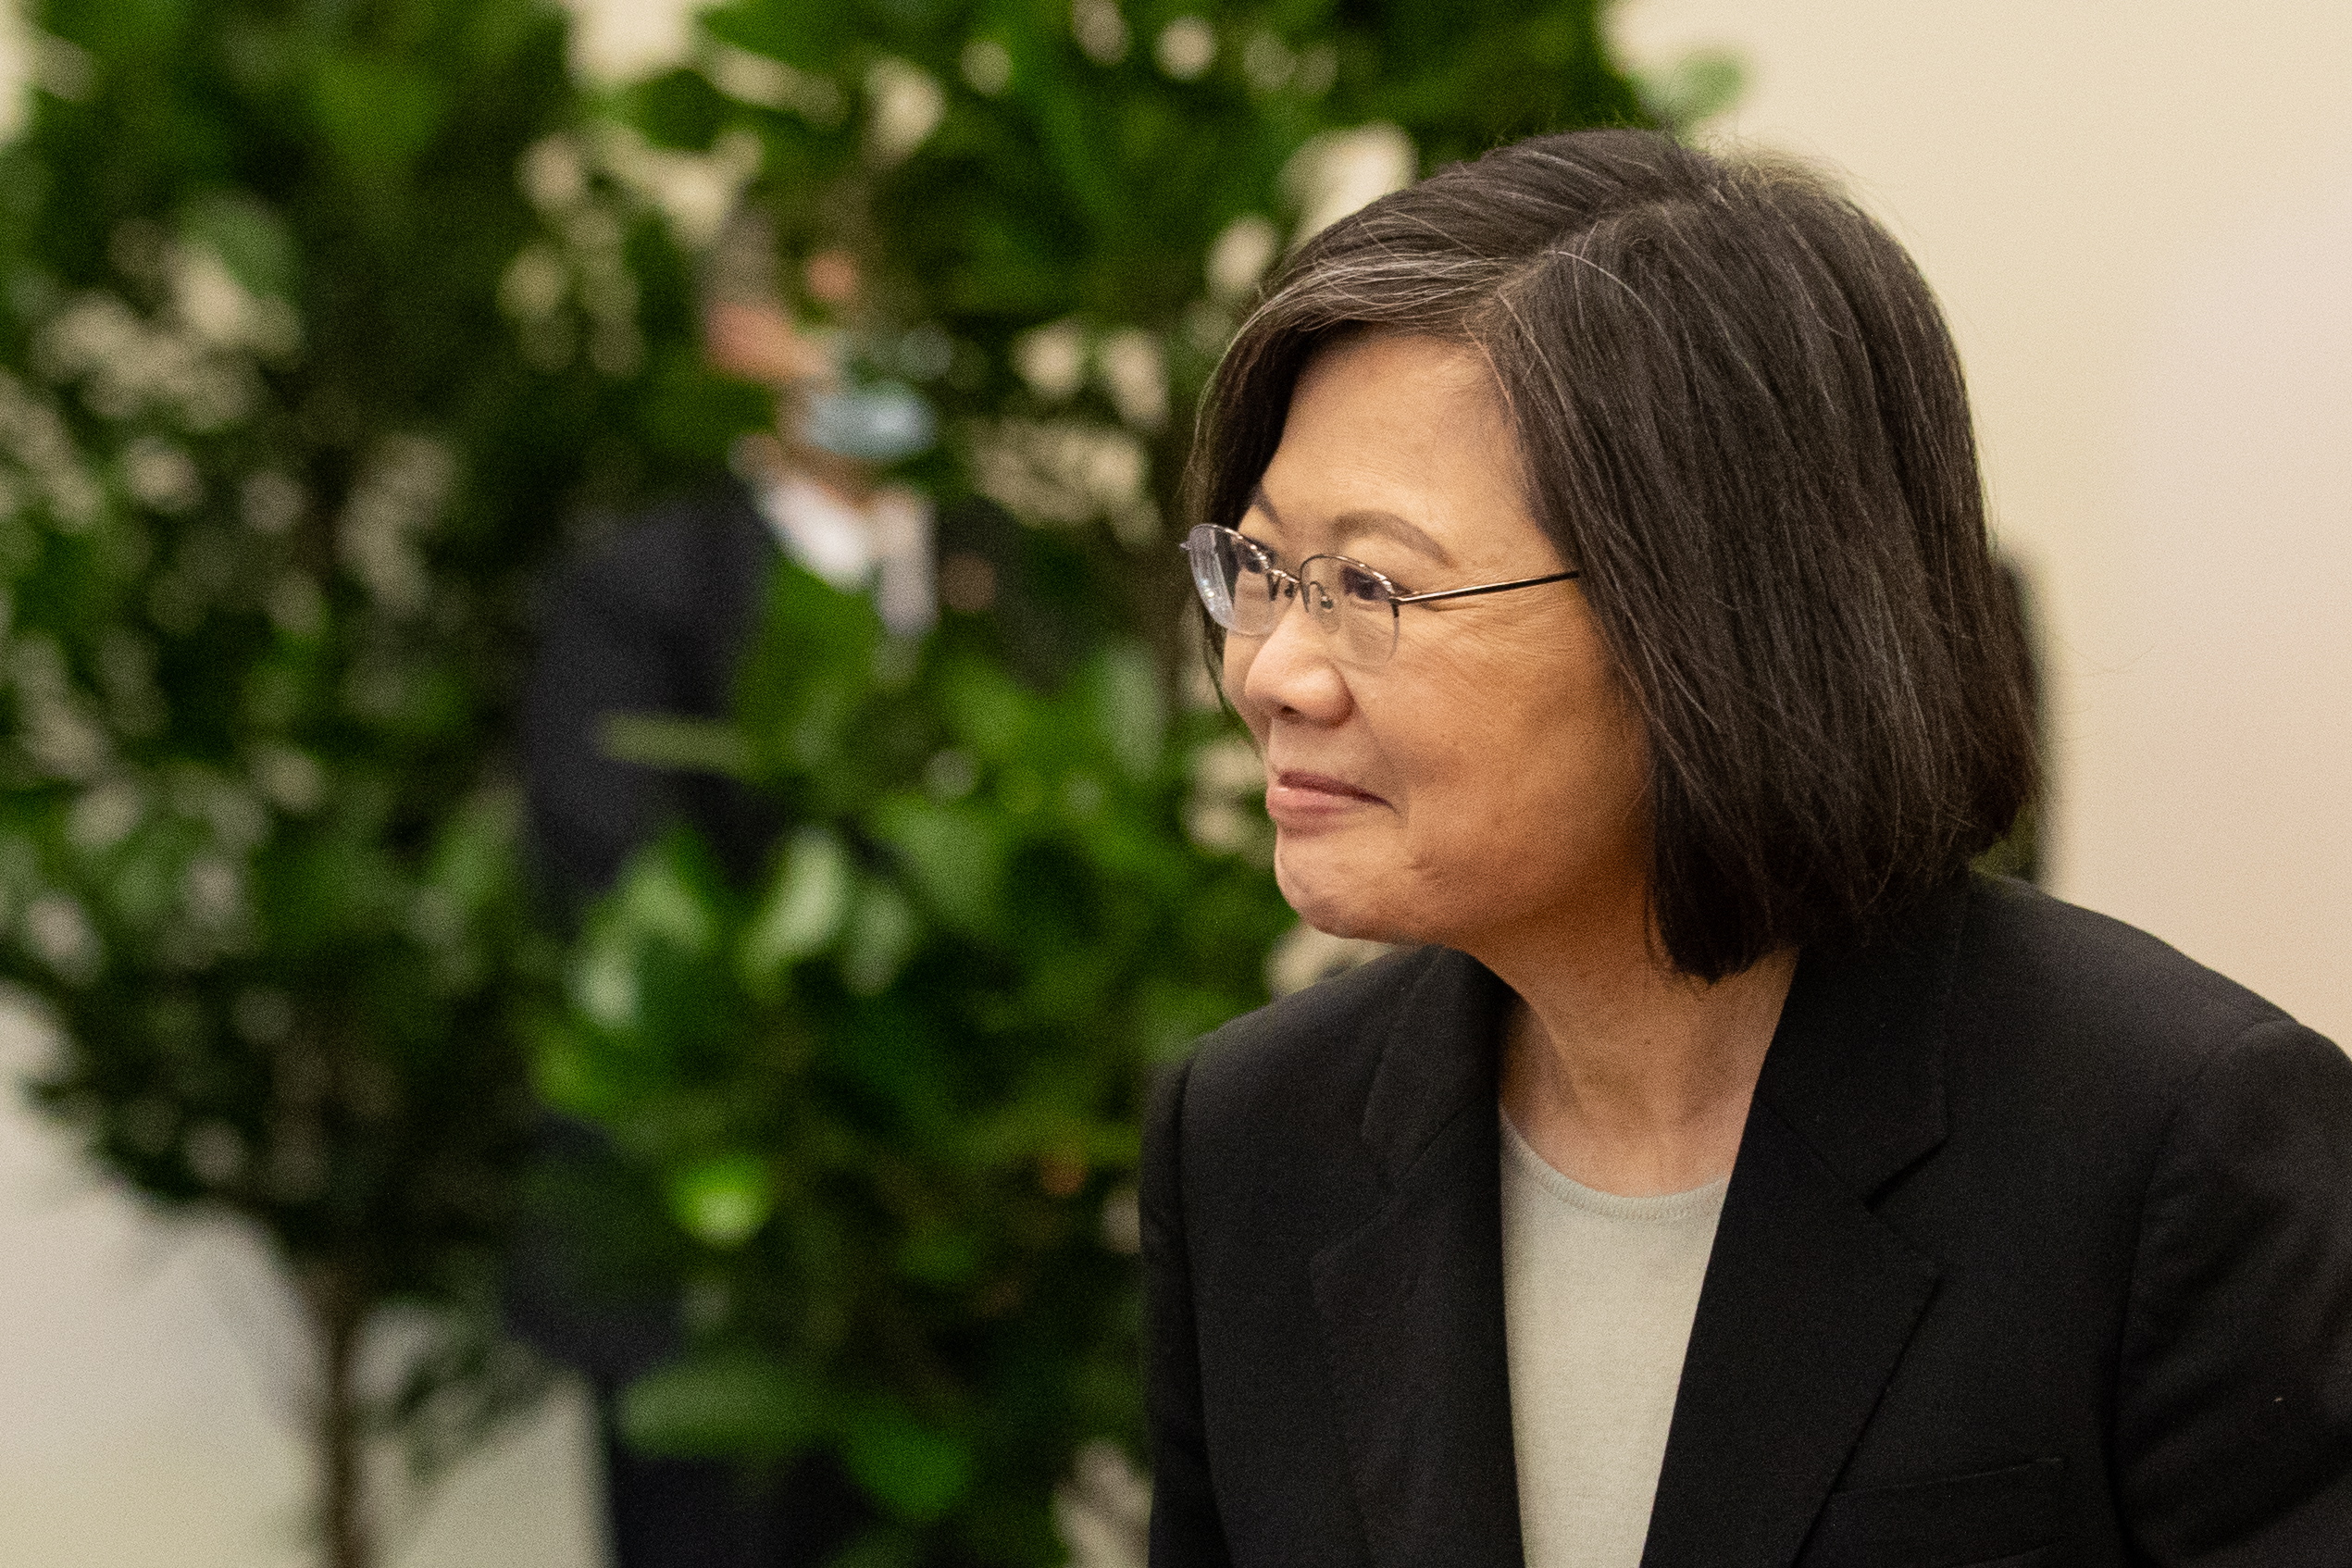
{"points": [[1625, 1076]]}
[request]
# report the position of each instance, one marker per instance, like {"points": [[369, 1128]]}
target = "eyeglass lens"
{"points": [[1246, 591], [1352, 606]]}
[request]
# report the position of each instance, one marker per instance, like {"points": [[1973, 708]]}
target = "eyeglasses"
{"points": [[1244, 591]]}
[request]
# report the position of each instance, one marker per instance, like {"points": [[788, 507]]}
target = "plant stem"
{"points": [[338, 1313]]}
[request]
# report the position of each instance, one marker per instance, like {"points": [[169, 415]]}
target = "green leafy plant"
{"points": [[296, 383], [888, 1098], [1058, 209]]}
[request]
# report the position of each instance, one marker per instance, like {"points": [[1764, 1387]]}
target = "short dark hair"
{"points": [[1742, 418]]}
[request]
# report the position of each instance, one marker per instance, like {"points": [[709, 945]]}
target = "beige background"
{"points": [[2140, 217]]}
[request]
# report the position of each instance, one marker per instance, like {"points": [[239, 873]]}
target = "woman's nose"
{"points": [[1291, 671]]}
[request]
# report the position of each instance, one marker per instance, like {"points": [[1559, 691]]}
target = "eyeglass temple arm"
{"points": [[1482, 588]]}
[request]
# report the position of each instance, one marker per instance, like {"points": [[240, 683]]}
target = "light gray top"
{"points": [[1598, 1291]]}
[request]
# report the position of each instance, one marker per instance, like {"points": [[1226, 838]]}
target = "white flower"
{"points": [[1103, 1512], [1135, 375], [1102, 32], [551, 172], [30, 58], [222, 313], [270, 502], [290, 778], [904, 106], [125, 365], [106, 815], [1064, 472], [988, 67], [61, 935], [617, 41], [397, 500], [1240, 256], [1340, 171], [693, 192], [1187, 47], [1052, 359], [757, 79], [1268, 63], [161, 477]]}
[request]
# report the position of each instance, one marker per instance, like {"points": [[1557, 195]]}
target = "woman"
{"points": [[1725, 1178]]}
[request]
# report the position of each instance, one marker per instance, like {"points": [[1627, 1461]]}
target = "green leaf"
{"points": [[952, 853], [472, 862], [883, 933], [250, 239], [641, 965], [565, 1069], [603, 981], [665, 740], [990, 712], [662, 898], [127, 27], [380, 114], [806, 906], [939, 1257], [1171, 1015], [915, 1472], [722, 1405], [802, 689], [1124, 703], [723, 1202]]}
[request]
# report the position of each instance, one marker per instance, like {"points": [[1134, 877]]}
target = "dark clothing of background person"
{"points": [[652, 620], [2036, 1253], [655, 619]]}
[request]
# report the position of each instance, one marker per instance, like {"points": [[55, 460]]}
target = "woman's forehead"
{"points": [[1399, 439]]}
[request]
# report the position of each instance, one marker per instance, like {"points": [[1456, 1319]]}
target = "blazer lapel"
{"points": [[1412, 1302], [1810, 1299]]}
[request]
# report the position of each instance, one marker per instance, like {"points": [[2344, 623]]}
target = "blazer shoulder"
{"points": [[2052, 971], [1306, 1057]]}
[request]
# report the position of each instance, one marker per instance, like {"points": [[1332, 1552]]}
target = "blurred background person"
{"points": [[653, 620]]}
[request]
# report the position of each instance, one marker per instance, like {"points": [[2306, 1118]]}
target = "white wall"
{"points": [[151, 1383], [2140, 219]]}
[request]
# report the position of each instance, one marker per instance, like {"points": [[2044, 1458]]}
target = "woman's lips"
{"points": [[1298, 799]]}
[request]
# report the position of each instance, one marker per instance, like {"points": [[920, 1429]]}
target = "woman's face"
{"points": [[1488, 780]]}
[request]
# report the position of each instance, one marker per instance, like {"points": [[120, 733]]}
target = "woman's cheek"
{"points": [[1234, 670]]}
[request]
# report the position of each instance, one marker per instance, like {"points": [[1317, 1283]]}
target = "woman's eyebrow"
{"points": [[1368, 520]]}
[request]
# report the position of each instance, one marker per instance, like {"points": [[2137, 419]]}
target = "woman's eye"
{"points": [[1363, 587]]}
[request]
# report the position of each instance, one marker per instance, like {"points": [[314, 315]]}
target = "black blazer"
{"points": [[2037, 1253]]}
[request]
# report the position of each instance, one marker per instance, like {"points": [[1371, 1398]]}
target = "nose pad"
{"points": [[1320, 605]]}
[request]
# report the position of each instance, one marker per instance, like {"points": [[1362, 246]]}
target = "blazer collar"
{"points": [[1808, 1300], [1439, 1058], [1412, 1301], [1855, 1066], [1811, 1297]]}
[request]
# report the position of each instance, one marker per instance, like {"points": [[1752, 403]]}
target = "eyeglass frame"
{"points": [[1292, 584]]}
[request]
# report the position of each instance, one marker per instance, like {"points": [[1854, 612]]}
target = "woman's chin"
{"points": [[1333, 903]]}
